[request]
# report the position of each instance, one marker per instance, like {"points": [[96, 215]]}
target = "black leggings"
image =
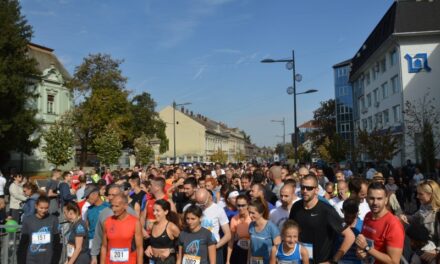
{"points": [[171, 259]]}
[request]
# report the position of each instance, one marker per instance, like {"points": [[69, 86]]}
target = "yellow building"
{"points": [[198, 137]]}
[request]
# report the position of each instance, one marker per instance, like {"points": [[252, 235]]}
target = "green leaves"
{"points": [[108, 146], [59, 141], [380, 145], [18, 124], [142, 149], [219, 156]]}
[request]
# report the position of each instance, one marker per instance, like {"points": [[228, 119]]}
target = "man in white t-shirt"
{"points": [[287, 197], [213, 218], [343, 195]]}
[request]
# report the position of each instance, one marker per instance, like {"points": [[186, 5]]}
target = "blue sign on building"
{"points": [[417, 63]]}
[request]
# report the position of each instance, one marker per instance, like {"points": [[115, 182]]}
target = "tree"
{"points": [[422, 120], [104, 102], [380, 145], [304, 155], [219, 156], [325, 119], [59, 141], [239, 156], [108, 146], [146, 120], [143, 151], [18, 74]]}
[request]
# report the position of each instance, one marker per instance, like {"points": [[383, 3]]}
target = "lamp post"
{"points": [[290, 65], [174, 125], [283, 123]]}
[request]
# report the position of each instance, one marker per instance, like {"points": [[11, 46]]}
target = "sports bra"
{"points": [[162, 241]]}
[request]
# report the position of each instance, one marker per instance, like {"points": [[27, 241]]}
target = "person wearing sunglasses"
{"points": [[320, 224], [238, 246]]}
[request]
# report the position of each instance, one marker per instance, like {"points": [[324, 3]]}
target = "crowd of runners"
{"points": [[236, 213]]}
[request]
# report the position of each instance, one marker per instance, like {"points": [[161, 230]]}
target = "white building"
{"points": [[399, 62]]}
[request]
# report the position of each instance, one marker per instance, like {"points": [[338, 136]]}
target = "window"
{"points": [[396, 113], [50, 104], [385, 90], [345, 127], [393, 57], [362, 104], [374, 73], [370, 123], [364, 124], [369, 100], [376, 95], [383, 65], [386, 117], [378, 120], [367, 77], [395, 84]]}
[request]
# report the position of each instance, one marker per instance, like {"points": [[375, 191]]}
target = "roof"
{"points": [[308, 124], [404, 16], [342, 63], [46, 58]]}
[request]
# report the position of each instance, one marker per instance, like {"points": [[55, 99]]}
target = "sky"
{"points": [[208, 52]]}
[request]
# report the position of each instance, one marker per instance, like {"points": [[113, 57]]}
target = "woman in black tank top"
{"points": [[164, 233]]}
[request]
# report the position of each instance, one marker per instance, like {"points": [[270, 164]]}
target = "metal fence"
{"points": [[10, 236]]}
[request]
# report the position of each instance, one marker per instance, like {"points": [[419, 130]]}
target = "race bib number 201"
{"points": [[119, 254], [40, 238]]}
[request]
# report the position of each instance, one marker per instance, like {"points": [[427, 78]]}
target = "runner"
{"points": [[290, 250], [78, 243], [238, 245], [196, 243], [40, 238], [119, 232]]}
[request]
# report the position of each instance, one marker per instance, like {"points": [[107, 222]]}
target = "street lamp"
{"points": [[290, 65], [283, 123], [174, 125]]}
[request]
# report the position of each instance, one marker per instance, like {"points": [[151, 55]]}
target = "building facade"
{"points": [[344, 103], [398, 63], [54, 100], [197, 137]]}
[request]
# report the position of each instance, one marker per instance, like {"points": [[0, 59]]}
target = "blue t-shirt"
{"points": [[350, 256], [294, 257], [93, 215], [230, 213], [262, 242]]}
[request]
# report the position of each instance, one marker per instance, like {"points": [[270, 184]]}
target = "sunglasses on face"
{"points": [[308, 188], [241, 205]]}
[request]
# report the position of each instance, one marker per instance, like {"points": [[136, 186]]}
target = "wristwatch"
{"points": [[367, 248]]}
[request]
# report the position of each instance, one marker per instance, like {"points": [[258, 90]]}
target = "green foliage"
{"points": [[380, 145], [333, 150], [304, 155], [108, 146], [147, 121], [59, 140], [219, 156], [143, 151], [18, 74], [239, 156], [422, 120], [325, 119]]}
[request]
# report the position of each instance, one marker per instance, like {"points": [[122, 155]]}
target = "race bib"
{"points": [[243, 243], [40, 238], [70, 250], [119, 254], [257, 260], [190, 259], [309, 248], [90, 243]]}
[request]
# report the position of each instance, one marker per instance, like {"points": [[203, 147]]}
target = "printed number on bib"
{"points": [[40, 238], [257, 260], [288, 262], [119, 254], [70, 250], [309, 248], [190, 259], [243, 243]]}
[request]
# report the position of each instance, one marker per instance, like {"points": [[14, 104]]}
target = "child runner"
{"points": [[289, 251], [196, 243]]}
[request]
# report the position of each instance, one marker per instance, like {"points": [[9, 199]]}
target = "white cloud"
{"points": [[199, 72]]}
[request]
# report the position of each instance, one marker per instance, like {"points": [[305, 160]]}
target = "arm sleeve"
{"points": [[335, 221], [97, 238], [210, 238], [395, 235], [223, 218], [274, 230]]}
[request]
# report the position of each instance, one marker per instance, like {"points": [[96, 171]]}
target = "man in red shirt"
{"points": [[382, 236]]}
